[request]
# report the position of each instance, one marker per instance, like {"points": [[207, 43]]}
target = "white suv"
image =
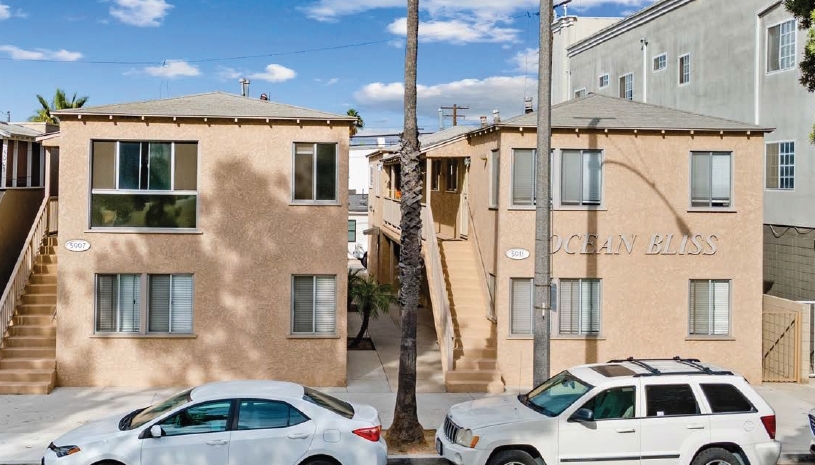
{"points": [[624, 412]]}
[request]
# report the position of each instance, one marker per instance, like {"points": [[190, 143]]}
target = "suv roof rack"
{"points": [[694, 363]]}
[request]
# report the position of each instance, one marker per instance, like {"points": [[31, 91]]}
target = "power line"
{"points": [[203, 60]]}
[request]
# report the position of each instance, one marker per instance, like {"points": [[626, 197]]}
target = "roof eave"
{"points": [[270, 118], [652, 129]]}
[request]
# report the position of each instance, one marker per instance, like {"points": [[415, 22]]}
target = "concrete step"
{"points": [[477, 376], [28, 376], [41, 298], [49, 268], [494, 387], [475, 342], [35, 309], [475, 352], [48, 250], [46, 259], [28, 352], [25, 388], [32, 320], [23, 363], [32, 330], [32, 342], [41, 288], [40, 278], [467, 363]]}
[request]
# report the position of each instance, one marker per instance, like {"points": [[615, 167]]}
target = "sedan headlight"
{"points": [[62, 451], [465, 438]]}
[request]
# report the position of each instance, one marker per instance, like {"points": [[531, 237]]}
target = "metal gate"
{"points": [[781, 346]]}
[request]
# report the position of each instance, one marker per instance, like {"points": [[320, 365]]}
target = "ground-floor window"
{"points": [[314, 305], [709, 307], [167, 308], [579, 307], [521, 307]]}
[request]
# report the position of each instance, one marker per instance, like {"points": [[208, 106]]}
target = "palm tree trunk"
{"points": [[406, 427], [366, 316]]}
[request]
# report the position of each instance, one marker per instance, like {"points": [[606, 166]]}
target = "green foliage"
{"points": [[59, 102], [358, 125], [371, 297], [802, 10]]}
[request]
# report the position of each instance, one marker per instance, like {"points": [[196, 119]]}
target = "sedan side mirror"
{"points": [[583, 415], [156, 431]]}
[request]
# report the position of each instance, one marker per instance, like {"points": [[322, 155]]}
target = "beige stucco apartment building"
{"points": [[656, 240], [207, 242]]}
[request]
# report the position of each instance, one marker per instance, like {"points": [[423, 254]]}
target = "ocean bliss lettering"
{"points": [[616, 244]]}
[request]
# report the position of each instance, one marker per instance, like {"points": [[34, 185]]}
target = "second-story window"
{"points": [[604, 81], [684, 69], [581, 177], [627, 86], [144, 184], [780, 163], [781, 46], [315, 172], [660, 62], [710, 184], [580, 93]]}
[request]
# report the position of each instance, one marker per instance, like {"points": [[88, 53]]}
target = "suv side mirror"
{"points": [[156, 431], [583, 415]]}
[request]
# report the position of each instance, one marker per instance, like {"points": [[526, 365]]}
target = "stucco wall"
{"points": [[18, 207], [251, 242], [644, 310]]}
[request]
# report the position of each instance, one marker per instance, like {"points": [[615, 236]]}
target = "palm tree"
{"points": [[406, 428], [371, 298], [59, 102], [358, 125]]}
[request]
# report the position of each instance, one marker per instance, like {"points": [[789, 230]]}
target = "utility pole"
{"points": [[543, 226], [455, 114]]}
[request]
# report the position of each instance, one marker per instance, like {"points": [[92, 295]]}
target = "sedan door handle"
{"points": [[217, 442], [626, 430], [298, 435], [695, 427]]}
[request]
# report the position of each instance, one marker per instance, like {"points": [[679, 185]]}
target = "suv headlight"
{"points": [[62, 451], [465, 438]]}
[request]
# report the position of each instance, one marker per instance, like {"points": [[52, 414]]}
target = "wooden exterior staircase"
{"points": [[475, 351], [28, 348]]}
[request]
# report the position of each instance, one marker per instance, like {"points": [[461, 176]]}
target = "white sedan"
{"points": [[231, 423]]}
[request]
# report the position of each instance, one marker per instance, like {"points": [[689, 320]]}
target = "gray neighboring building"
{"points": [[731, 59]]}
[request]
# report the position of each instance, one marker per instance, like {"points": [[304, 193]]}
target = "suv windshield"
{"points": [[555, 395], [155, 410], [327, 402]]}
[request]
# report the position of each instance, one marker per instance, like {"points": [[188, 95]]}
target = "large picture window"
{"points": [[709, 307], [120, 308], [315, 172], [710, 179], [144, 184], [314, 305]]}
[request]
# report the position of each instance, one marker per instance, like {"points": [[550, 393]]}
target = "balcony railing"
{"points": [[392, 215], [44, 223]]}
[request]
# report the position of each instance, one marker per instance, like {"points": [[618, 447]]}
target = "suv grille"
{"points": [[812, 424], [451, 429]]}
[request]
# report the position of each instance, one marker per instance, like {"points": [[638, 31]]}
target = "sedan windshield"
{"points": [[157, 409], [555, 395]]}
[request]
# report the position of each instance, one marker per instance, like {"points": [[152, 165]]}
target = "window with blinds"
{"points": [[579, 307], [495, 174], [710, 179], [520, 307], [581, 177], [709, 307], [168, 307], [314, 304], [523, 177]]}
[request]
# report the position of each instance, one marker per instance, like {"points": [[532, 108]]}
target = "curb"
{"points": [[797, 457]]}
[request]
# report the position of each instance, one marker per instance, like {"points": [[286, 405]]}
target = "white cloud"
{"points": [[226, 74], [457, 31], [172, 69], [140, 13], [275, 73], [526, 61], [505, 93], [17, 53], [327, 82], [5, 12]]}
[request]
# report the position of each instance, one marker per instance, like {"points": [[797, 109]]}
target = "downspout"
{"points": [[644, 47]]}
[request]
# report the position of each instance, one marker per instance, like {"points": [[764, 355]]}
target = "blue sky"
{"points": [[476, 53]]}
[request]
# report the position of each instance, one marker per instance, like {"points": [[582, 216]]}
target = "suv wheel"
{"points": [[514, 457], [716, 456]]}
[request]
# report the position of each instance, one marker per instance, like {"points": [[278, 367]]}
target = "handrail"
{"points": [[25, 264], [438, 293], [472, 232]]}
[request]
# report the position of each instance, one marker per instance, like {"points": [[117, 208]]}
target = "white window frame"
{"points": [[314, 332], [495, 178], [144, 307], [625, 80], [605, 77], [684, 77], [354, 230], [712, 331], [512, 282], [710, 206], [314, 201], [660, 63], [560, 309], [582, 204], [780, 174], [793, 57], [580, 93]]}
